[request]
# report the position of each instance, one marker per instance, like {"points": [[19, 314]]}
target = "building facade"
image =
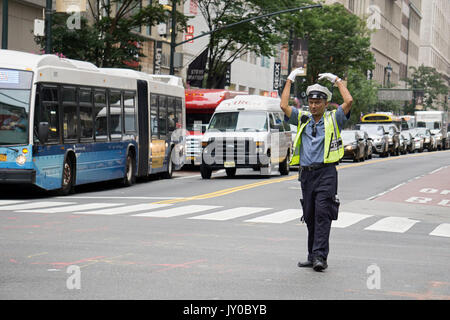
{"points": [[395, 40], [21, 16], [435, 39]]}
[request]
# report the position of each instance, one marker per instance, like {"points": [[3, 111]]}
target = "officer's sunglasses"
{"points": [[314, 130]]}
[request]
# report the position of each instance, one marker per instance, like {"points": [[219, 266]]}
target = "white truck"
{"points": [[437, 123]]}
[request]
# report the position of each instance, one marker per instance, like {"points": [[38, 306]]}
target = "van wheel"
{"points": [[284, 166], [129, 178], [205, 171], [231, 172], [67, 178]]}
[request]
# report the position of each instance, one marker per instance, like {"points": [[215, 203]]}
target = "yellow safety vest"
{"points": [[333, 146]]}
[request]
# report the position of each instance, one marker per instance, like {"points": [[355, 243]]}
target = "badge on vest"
{"points": [[335, 144]]}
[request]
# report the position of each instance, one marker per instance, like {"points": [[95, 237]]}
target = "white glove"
{"points": [[296, 72], [329, 76]]}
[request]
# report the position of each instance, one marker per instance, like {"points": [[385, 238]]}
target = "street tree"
{"points": [[430, 82], [258, 37], [337, 41], [112, 37]]}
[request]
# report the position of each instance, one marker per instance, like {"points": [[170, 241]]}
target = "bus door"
{"points": [[144, 139], [158, 114]]}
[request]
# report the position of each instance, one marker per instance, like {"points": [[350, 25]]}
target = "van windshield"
{"points": [[239, 121]]}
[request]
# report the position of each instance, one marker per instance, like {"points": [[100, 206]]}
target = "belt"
{"points": [[318, 166]]}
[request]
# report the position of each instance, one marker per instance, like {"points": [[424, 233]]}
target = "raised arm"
{"points": [[284, 104], [348, 99]]}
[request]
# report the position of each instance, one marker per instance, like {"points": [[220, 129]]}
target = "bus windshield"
{"points": [[239, 121], [15, 90]]}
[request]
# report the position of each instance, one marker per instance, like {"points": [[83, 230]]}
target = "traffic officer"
{"points": [[318, 148]]}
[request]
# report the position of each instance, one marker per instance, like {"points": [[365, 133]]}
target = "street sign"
{"points": [[395, 94], [276, 75], [157, 57], [69, 5], [39, 27]]}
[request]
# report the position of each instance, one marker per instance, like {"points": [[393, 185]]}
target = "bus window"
{"points": [[171, 114], [115, 113], [179, 114], [70, 118], [87, 122], [130, 112], [50, 112], [154, 116], [101, 123], [162, 112]]}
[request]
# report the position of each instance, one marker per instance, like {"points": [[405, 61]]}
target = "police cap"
{"points": [[317, 91]]}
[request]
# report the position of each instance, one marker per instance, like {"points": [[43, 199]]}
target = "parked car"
{"points": [[354, 145], [438, 137], [409, 141], [394, 139], [428, 140], [380, 139]]}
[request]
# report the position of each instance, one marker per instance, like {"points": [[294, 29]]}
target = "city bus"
{"points": [[200, 106], [66, 122]]}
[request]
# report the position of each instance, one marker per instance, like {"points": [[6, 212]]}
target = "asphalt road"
{"points": [[239, 238]]}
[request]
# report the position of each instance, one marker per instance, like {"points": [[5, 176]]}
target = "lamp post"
{"points": [[5, 25], [388, 70]]}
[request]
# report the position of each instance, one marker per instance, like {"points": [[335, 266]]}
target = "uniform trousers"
{"points": [[320, 207]]}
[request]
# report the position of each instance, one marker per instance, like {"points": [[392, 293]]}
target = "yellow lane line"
{"points": [[223, 192]]}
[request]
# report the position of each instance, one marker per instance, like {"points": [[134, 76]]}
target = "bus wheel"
{"points": [[168, 174], [129, 178], [67, 178]]}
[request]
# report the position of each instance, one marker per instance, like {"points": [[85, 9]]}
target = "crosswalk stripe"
{"points": [[76, 208], [346, 219], [126, 209], [278, 217], [34, 205], [178, 211], [8, 202], [442, 230], [230, 213], [392, 224]]}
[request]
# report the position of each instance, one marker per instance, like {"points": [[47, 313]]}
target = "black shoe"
{"points": [[319, 264], [307, 264]]}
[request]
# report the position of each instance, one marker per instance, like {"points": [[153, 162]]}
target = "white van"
{"points": [[247, 132]]}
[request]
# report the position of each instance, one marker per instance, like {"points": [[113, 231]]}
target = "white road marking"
{"points": [[442, 230], [35, 205], [126, 209], [392, 224], [76, 208], [178, 211], [230, 213], [346, 219], [278, 217], [8, 202]]}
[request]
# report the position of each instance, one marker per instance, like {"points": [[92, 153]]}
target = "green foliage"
{"points": [[428, 80], [338, 41], [110, 40], [227, 45], [364, 93]]}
